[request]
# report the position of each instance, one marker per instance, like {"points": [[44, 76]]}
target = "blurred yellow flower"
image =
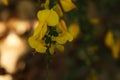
{"points": [[61, 26], [109, 40], [67, 5], [5, 2], [58, 47], [58, 10], [112, 44], [64, 35], [50, 33], [52, 48], [74, 29], [46, 18], [63, 38], [115, 50], [39, 45]]}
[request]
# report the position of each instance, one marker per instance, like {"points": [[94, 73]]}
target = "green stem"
{"points": [[48, 56]]}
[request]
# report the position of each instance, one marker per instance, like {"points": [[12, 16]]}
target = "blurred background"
{"points": [[94, 53]]}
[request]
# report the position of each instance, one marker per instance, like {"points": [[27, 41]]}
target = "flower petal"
{"points": [[5, 2], [32, 42], [74, 29], [53, 18], [41, 48], [67, 5], [38, 45], [109, 39], [115, 50], [62, 26], [50, 16], [63, 38], [41, 30], [52, 49], [60, 47], [43, 14], [60, 40], [38, 29], [68, 36], [58, 10]]}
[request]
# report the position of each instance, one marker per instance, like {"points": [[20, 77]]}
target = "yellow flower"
{"points": [[67, 5], [74, 29], [62, 26], [109, 40], [39, 45], [46, 18], [115, 50], [58, 10], [62, 38], [112, 44], [56, 46], [5, 2], [64, 35]]}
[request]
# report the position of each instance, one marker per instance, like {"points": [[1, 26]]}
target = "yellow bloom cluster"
{"points": [[55, 31], [51, 32], [46, 18]]}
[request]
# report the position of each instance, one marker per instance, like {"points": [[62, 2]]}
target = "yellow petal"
{"points": [[48, 16], [5, 2], [115, 50], [52, 49], [74, 29], [67, 5], [43, 15], [68, 36], [38, 29], [58, 10], [62, 26], [41, 48], [63, 38], [60, 47], [53, 18], [60, 40], [41, 30], [109, 40], [38, 45], [32, 41]]}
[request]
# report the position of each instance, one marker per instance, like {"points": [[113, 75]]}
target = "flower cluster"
{"points": [[51, 32]]}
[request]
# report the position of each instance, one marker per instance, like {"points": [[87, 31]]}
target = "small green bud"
{"points": [[47, 40], [55, 33]]}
